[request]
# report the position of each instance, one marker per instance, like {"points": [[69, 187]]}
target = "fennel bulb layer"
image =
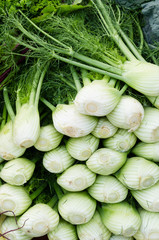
{"points": [[149, 151], [77, 208], [149, 229], [138, 173], [106, 161], [94, 229], [104, 128], [82, 148], [97, 98], [10, 224], [128, 114], [64, 231], [119, 237], [142, 76], [148, 131], [18, 171], [26, 126], [120, 218], [14, 199], [148, 198], [76, 178], [68, 121], [39, 219], [57, 160], [108, 189], [48, 139], [9, 150], [121, 141]]}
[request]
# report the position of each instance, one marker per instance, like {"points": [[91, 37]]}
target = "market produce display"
{"points": [[79, 123]]}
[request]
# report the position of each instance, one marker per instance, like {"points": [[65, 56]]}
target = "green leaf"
{"points": [[49, 9], [41, 18], [66, 9]]}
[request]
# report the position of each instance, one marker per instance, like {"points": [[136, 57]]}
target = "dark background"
{"points": [[41, 238]]}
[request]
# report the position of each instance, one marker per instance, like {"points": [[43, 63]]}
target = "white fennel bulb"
{"points": [[149, 229], [82, 148], [64, 231], [57, 160], [120, 237], [39, 220], [148, 198], [26, 126], [148, 131], [9, 225], [14, 199], [77, 208], [76, 178], [104, 128], [94, 229], [120, 218], [68, 121], [142, 76], [9, 150], [18, 171], [138, 173], [121, 141], [48, 139], [106, 161], [128, 114], [149, 151], [108, 189], [97, 98]]}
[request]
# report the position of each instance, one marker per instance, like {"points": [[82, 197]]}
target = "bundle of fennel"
{"points": [[94, 130]]}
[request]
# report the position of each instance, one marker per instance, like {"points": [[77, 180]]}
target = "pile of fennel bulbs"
{"points": [[100, 150], [104, 166]]}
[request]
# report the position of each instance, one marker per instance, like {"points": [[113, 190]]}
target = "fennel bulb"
{"points": [[142, 76], [105, 161], [9, 225], [26, 122], [26, 126], [120, 237], [94, 229], [120, 218], [77, 208], [121, 141], [97, 98], [138, 173], [64, 231], [18, 171], [108, 189], [148, 131], [76, 178], [39, 220], [148, 198], [82, 148], [14, 199], [104, 128], [9, 150], [68, 121], [149, 151], [48, 139], [57, 160], [128, 114], [149, 226]]}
